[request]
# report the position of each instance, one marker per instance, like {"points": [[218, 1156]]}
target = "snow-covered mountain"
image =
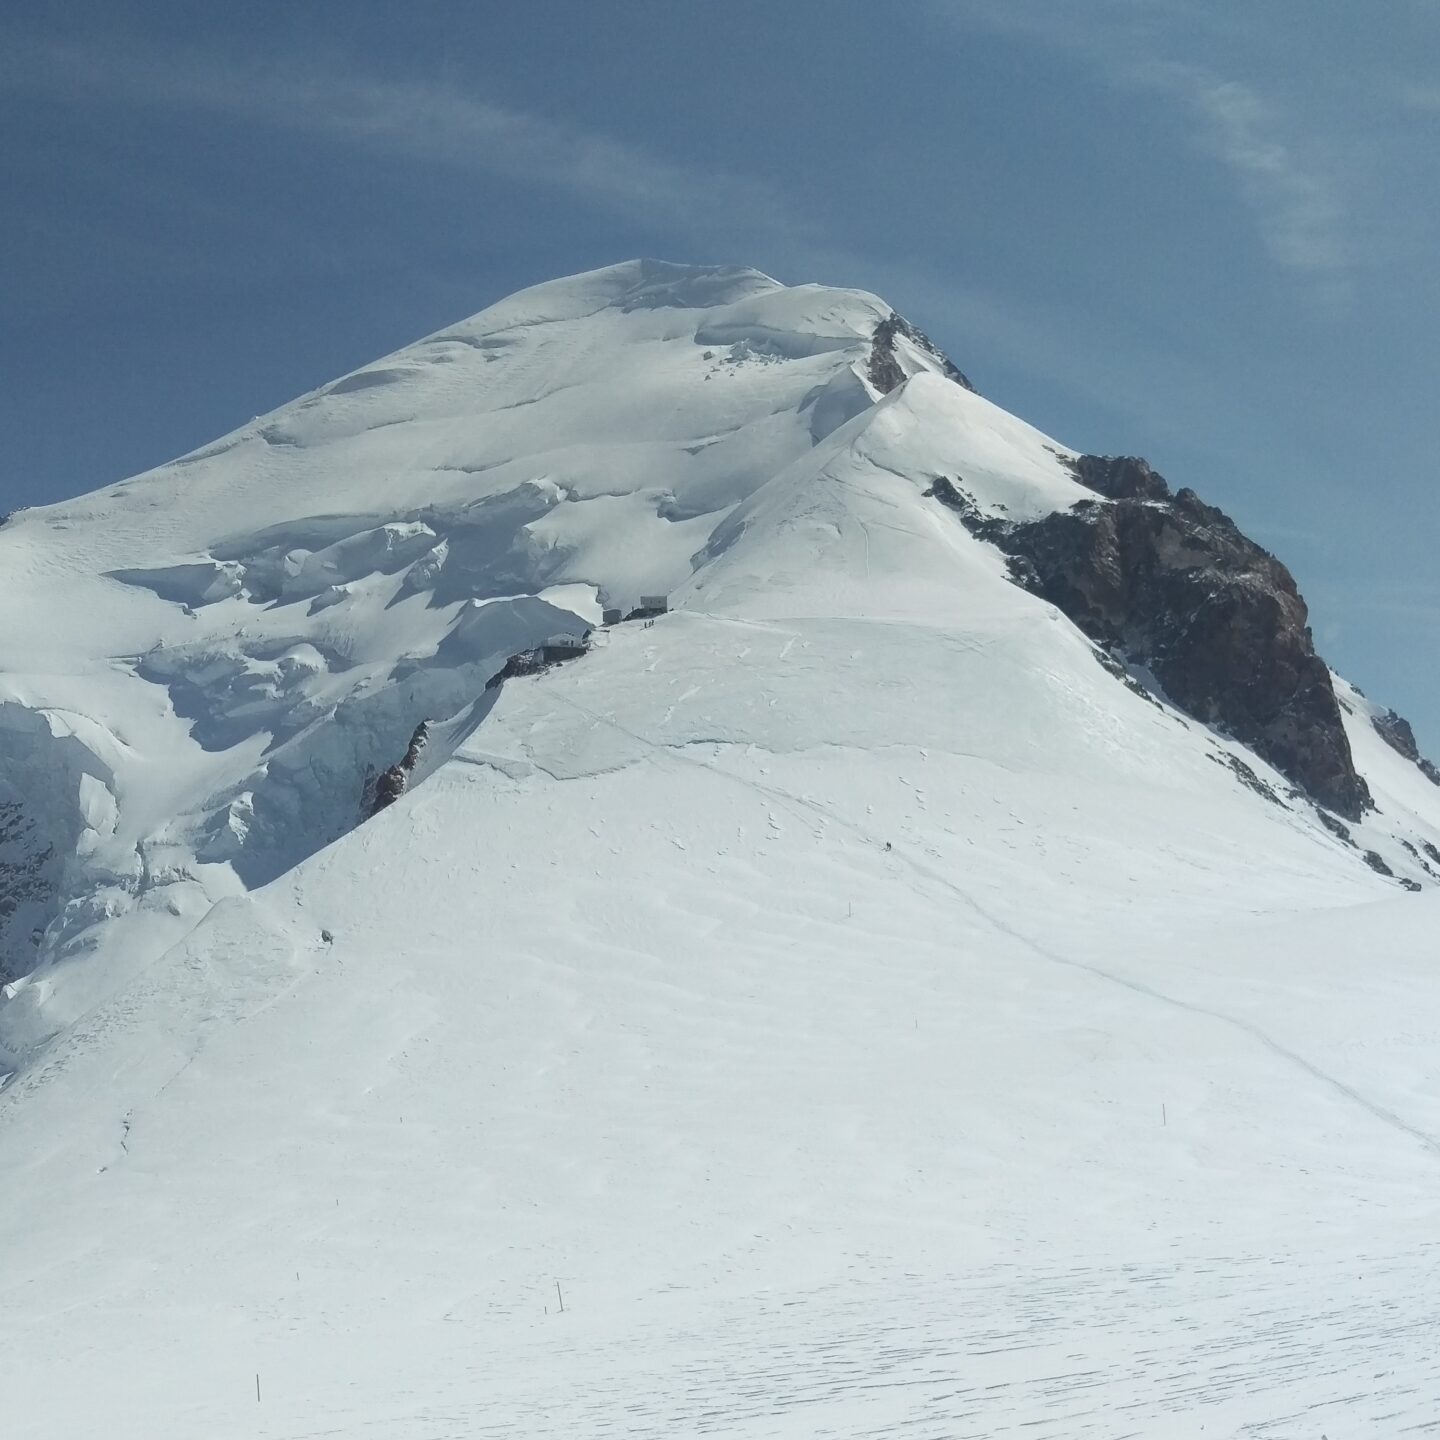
{"points": [[959, 968]]}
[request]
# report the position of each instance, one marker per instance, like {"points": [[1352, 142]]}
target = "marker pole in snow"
{"points": [[257, 1387], [560, 1296]]}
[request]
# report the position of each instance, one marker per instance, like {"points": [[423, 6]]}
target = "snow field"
{"points": [[813, 1134]]}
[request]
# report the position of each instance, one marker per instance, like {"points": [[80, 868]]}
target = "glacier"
{"points": [[865, 1005]]}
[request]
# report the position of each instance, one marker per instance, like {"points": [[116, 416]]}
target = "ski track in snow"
{"points": [[929, 873], [1131, 1352]]}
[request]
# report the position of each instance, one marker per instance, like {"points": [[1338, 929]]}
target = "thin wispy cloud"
{"points": [[1296, 208], [440, 125], [1295, 202], [430, 122]]}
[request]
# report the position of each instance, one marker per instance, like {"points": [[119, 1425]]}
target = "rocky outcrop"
{"points": [[1171, 583], [555, 651], [527, 662], [1377, 864], [1120, 477], [1420, 860], [1395, 731], [885, 371], [394, 782]]}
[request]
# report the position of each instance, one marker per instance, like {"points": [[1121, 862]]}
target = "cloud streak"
{"points": [[433, 123], [1297, 210], [1295, 203]]}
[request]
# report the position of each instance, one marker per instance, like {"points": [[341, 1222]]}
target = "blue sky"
{"points": [[1200, 230]]}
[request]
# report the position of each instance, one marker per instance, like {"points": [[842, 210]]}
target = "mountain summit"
{"points": [[663, 787], [211, 659]]}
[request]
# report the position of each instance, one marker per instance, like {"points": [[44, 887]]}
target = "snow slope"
{"points": [[867, 1013]]}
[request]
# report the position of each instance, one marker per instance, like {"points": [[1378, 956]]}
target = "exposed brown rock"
{"points": [[1120, 477], [1395, 731], [885, 372], [1172, 583]]}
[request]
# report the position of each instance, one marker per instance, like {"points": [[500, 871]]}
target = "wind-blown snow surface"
{"points": [[869, 1015]]}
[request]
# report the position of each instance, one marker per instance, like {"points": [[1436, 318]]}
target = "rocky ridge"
{"points": [[1171, 584], [885, 371], [393, 782], [1396, 732]]}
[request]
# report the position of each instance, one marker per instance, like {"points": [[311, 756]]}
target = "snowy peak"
{"points": [[659, 801], [213, 663], [641, 284]]}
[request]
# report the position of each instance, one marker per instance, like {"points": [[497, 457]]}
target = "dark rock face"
{"points": [[1120, 477], [1171, 583], [1395, 731], [393, 783], [527, 662], [1377, 864], [885, 372], [542, 657]]}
